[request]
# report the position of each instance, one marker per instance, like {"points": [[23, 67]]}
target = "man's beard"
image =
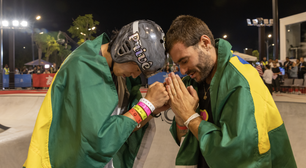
{"points": [[204, 67]]}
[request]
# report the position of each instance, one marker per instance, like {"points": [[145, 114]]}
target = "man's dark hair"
{"points": [[112, 40], [187, 30], [268, 66]]}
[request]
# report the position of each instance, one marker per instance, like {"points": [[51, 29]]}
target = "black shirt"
{"points": [[276, 70], [204, 105]]}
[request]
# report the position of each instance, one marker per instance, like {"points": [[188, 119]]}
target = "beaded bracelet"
{"points": [[135, 115], [145, 108], [141, 112], [148, 103]]}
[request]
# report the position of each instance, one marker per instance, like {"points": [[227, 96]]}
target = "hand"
{"points": [[157, 95], [183, 101], [161, 109]]}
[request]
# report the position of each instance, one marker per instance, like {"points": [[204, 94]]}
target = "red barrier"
{"points": [[42, 80]]}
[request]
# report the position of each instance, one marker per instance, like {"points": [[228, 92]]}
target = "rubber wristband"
{"points": [[181, 127], [141, 112], [135, 115], [145, 108], [148, 103]]}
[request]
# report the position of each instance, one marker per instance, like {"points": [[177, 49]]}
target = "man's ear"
{"points": [[205, 42]]}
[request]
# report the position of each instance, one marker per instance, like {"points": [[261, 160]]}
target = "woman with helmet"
{"points": [[95, 116]]}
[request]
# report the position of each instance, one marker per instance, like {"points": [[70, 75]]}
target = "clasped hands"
{"points": [[174, 94]]}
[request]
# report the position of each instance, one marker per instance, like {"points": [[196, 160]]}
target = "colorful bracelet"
{"points": [[135, 115], [181, 127], [148, 103], [141, 112], [145, 108]]}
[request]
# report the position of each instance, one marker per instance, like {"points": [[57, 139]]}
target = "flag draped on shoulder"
{"points": [[74, 127], [247, 128]]}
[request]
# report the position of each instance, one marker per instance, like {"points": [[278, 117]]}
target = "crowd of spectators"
{"points": [[38, 69], [271, 71], [171, 68]]}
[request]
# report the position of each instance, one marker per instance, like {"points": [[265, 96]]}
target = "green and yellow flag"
{"points": [[74, 127], [247, 129]]}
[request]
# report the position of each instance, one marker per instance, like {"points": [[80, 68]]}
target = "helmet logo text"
{"points": [[140, 52]]}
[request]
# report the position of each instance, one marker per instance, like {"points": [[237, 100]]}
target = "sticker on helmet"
{"points": [[140, 52]]}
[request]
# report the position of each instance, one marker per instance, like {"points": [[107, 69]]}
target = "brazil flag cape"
{"points": [[74, 127], [247, 129]]}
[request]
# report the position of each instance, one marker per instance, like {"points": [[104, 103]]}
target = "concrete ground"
{"points": [[19, 113]]}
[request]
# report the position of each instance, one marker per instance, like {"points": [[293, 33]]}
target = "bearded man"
{"points": [[226, 117]]}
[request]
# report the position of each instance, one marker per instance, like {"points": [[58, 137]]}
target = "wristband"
{"points": [[135, 115], [181, 127], [148, 103], [141, 112], [145, 108], [195, 115]]}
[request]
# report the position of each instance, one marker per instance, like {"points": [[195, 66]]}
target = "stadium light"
{"points": [[5, 23], [24, 23], [15, 23]]}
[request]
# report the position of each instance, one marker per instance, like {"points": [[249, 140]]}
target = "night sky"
{"points": [[221, 16]]}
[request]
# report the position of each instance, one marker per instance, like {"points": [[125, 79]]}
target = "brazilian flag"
{"points": [[74, 127]]}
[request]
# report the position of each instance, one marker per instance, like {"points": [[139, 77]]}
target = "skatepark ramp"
{"points": [[17, 118], [18, 113]]}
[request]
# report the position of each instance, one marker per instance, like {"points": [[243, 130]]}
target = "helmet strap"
{"points": [[111, 68]]}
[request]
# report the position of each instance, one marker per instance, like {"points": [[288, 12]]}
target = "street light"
{"points": [[268, 46], [38, 17], [225, 36], [261, 24], [12, 26]]}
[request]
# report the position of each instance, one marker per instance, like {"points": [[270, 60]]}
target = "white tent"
{"points": [[246, 57]]}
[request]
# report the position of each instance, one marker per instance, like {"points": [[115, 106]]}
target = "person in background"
{"points": [[6, 70], [38, 70], [17, 72], [34, 69], [31, 70], [264, 61], [276, 79], [53, 68], [173, 67], [167, 69], [271, 62], [24, 70], [287, 64], [267, 77], [46, 71], [293, 71], [279, 64], [301, 68], [259, 69]]}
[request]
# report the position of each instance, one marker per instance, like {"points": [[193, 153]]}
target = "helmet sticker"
{"points": [[140, 52]]}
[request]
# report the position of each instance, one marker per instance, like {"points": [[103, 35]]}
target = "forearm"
{"points": [[179, 132], [194, 126]]}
